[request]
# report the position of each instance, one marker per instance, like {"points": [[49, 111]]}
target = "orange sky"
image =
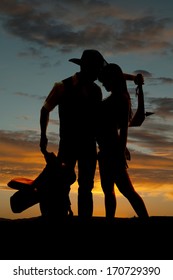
{"points": [[147, 174]]}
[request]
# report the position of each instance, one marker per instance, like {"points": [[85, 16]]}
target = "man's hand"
{"points": [[127, 154], [139, 79], [50, 158]]}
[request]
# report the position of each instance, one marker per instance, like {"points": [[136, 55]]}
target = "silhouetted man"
{"points": [[78, 99]]}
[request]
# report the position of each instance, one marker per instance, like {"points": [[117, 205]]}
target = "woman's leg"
{"points": [[125, 186], [110, 204]]}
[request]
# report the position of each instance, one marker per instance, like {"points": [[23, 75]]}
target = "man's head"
{"points": [[91, 62]]}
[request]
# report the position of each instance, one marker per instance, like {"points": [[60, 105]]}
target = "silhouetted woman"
{"points": [[114, 119]]}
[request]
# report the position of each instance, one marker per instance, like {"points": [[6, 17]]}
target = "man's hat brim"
{"points": [[75, 60], [90, 57]]}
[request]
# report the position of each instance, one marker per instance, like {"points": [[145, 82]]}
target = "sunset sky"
{"points": [[37, 40]]}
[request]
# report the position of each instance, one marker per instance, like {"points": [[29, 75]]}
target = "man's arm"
{"points": [[44, 119], [123, 133], [52, 100], [129, 77]]}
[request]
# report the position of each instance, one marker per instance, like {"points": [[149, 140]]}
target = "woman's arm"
{"points": [[123, 132]]}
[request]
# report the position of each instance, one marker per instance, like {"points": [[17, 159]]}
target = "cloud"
{"points": [[144, 73], [153, 136], [83, 24], [166, 80], [148, 33], [163, 108], [31, 52], [28, 95], [27, 139], [150, 146], [20, 153], [154, 80]]}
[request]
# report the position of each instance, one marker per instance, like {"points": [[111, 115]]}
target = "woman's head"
{"points": [[112, 78]]}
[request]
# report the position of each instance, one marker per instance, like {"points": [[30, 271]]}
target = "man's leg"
{"points": [[86, 172]]}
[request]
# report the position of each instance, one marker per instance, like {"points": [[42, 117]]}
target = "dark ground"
{"points": [[98, 239]]}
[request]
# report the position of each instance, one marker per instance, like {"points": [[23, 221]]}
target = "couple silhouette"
{"points": [[91, 130]]}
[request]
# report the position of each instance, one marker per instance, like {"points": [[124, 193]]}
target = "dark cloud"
{"points": [[20, 153], [15, 8], [144, 73], [19, 138], [25, 138], [157, 81], [151, 139], [154, 80], [166, 80], [145, 33], [150, 146], [151, 171], [30, 52], [164, 108], [157, 177], [24, 94], [155, 134], [81, 24]]}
